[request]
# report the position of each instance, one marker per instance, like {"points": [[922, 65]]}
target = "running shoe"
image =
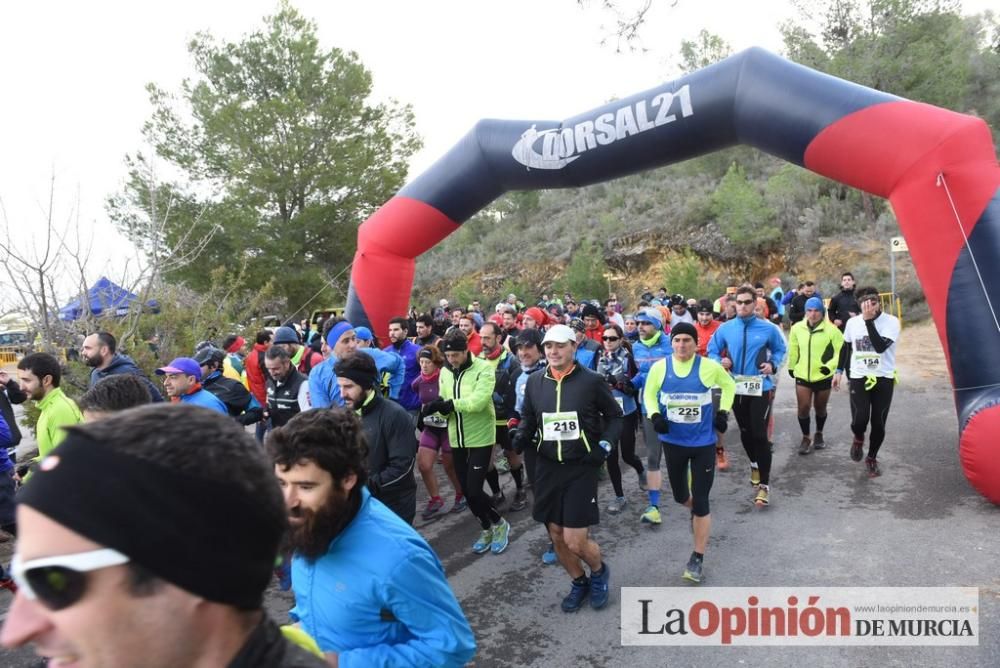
{"points": [[434, 506], [762, 496], [501, 537], [520, 501], [651, 516], [502, 465], [484, 543], [805, 447], [460, 504], [617, 505], [872, 465], [577, 595], [721, 459], [549, 557], [754, 476], [600, 588], [498, 499], [818, 443], [693, 570], [857, 445], [642, 480]]}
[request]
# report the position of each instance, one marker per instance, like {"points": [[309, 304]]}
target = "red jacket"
{"points": [[257, 373], [475, 344], [596, 334], [704, 334]]}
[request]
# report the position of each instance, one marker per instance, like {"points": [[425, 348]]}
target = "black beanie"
{"points": [[207, 536], [684, 328]]}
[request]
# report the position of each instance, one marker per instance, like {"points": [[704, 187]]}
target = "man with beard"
{"points": [[99, 352], [388, 428], [408, 350], [39, 375], [339, 339], [287, 389], [367, 586], [425, 331]]}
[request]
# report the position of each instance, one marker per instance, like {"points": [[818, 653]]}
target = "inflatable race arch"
{"points": [[938, 169]]}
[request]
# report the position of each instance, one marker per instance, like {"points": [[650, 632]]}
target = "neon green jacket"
{"points": [[56, 411], [473, 423], [813, 353]]}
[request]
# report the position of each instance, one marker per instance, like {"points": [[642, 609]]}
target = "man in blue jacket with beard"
{"points": [[368, 588]]}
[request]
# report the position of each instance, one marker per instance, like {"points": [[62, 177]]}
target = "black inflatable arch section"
{"points": [[938, 169]]}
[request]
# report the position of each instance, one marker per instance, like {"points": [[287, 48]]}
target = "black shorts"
{"points": [[503, 437], [817, 386], [565, 494]]}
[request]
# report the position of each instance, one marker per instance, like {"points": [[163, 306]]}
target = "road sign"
{"points": [[898, 245]]}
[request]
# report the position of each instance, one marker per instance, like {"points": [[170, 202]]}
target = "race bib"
{"points": [[749, 386], [870, 362], [436, 420], [684, 407], [564, 426]]}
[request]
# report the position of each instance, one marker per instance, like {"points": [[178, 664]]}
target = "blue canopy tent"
{"points": [[104, 298]]}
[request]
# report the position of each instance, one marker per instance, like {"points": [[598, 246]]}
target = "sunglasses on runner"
{"points": [[60, 581], [744, 301], [611, 338]]}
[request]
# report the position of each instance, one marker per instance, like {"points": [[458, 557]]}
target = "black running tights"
{"points": [[751, 415], [626, 445], [471, 465], [871, 405]]}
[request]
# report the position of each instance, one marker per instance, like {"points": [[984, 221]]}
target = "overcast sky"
{"points": [[73, 73]]}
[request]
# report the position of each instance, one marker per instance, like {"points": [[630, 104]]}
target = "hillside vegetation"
{"points": [[737, 214]]}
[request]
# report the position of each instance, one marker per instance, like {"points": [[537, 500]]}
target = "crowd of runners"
{"points": [[139, 525]]}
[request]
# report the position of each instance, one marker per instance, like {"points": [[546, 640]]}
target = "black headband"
{"points": [[365, 379], [207, 536]]}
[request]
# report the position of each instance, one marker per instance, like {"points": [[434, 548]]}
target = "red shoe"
{"points": [[721, 459]]}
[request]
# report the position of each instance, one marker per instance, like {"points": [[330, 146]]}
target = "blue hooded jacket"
{"points": [[379, 596]]}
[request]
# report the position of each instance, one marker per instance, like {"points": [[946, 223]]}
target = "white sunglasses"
{"points": [[60, 581]]}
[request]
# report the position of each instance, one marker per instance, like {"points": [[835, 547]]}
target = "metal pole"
{"points": [[892, 264]]}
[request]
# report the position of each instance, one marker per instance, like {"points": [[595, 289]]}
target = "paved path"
{"points": [[920, 524]]}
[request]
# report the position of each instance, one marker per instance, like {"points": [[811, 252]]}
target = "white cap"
{"points": [[559, 334]]}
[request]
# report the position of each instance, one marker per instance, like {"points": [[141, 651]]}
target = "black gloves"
{"points": [[659, 423], [721, 422], [596, 456], [442, 406]]}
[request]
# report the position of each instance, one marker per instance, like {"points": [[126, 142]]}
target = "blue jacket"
{"points": [[5, 441], [409, 350], [379, 596], [391, 371], [123, 364], [646, 356], [323, 389], [205, 399], [749, 342]]}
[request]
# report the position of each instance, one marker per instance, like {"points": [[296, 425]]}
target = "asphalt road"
{"points": [[920, 524]]}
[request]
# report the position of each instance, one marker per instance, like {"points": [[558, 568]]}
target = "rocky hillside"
{"points": [[681, 226]]}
